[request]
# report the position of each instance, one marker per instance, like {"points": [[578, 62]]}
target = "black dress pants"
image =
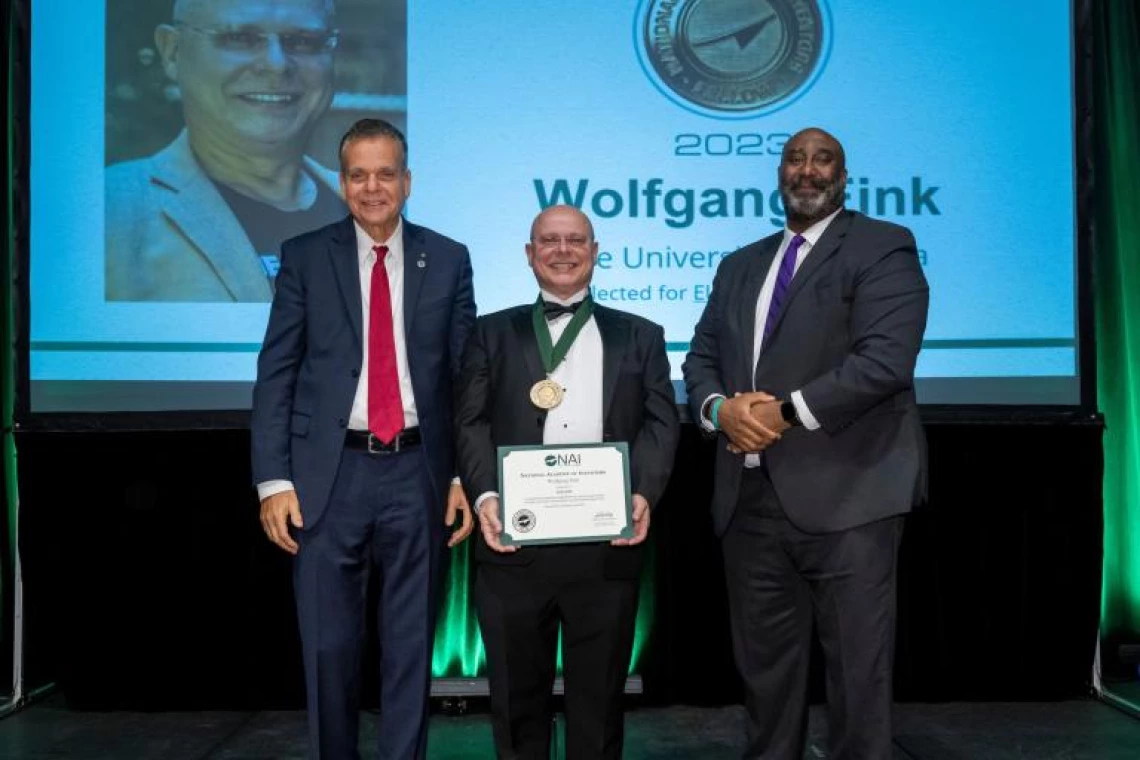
{"points": [[781, 581], [521, 609]]}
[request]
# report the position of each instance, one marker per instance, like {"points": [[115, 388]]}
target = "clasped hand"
{"points": [[752, 421]]}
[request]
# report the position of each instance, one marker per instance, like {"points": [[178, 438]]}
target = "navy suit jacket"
{"points": [[311, 360], [848, 339]]}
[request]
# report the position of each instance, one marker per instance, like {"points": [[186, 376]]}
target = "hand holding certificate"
{"points": [[565, 494]]}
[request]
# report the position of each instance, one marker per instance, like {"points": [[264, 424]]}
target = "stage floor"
{"points": [[1080, 730]]}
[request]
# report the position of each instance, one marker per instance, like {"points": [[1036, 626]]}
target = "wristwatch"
{"points": [[789, 413]]}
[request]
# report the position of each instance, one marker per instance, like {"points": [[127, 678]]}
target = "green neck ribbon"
{"points": [[552, 355]]}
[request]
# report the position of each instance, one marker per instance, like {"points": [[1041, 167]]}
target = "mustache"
{"points": [[815, 184], [827, 195]]}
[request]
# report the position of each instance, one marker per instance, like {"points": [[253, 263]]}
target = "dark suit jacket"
{"points": [[311, 360], [500, 365], [848, 338]]}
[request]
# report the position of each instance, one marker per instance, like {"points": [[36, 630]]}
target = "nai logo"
{"points": [[565, 460], [733, 59], [524, 521]]}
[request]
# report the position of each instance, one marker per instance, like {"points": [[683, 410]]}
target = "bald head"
{"points": [[568, 212], [813, 177], [818, 136], [562, 250]]}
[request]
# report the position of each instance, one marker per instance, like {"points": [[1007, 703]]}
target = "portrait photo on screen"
{"points": [[221, 127]]}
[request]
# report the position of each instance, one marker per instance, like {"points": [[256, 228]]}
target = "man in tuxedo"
{"points": [[353, 446], [615, 387], [803, 365]]}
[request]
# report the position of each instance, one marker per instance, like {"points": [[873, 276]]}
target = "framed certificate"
{"points": [[565, 494]]}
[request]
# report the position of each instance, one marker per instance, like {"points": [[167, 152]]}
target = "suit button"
{"points": [[342, 422], [355, 372]]}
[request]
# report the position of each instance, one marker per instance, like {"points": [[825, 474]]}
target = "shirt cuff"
{"points": [[482, 498], [806, 417], [706, 410], [455, 481], [270, 487]]}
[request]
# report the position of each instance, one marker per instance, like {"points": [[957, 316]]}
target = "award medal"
{"points": [[547, 394]]}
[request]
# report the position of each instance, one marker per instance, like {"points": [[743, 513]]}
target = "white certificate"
{"points": [[565, 494]]}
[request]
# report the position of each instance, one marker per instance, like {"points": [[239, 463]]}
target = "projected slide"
{"points": [[152, 267]]}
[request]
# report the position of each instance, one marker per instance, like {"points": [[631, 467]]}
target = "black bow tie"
{"points": [[553, 310]]}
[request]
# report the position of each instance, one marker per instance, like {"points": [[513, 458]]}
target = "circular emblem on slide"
{"points": [[733, 58], [523, 521]]}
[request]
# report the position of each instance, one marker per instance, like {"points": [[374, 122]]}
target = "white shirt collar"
{"points": [[813, 233], [365, 243], [579, 296]]}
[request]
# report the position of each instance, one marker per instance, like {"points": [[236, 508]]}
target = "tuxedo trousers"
{"points": [[781, 582], [521, 609], [383, 522]]}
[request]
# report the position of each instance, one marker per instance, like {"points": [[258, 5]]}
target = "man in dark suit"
{"points": [[803, 362], [353, 446], [615, 386]]}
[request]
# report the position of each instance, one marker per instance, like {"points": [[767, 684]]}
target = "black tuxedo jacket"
{"points": [[848, 339], [500, 365]]}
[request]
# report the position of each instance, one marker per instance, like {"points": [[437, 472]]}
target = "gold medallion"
{"points": [[546, 394]]}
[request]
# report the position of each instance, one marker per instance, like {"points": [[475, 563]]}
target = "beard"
{"points": [[827, 197]]}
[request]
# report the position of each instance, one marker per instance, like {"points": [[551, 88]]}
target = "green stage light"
{"points": [[1117, 302], [458, 649]]}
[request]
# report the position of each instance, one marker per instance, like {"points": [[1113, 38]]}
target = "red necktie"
{"points": [[385, 410]]}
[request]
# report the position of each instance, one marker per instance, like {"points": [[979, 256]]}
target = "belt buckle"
{"points": [[375, 446]]}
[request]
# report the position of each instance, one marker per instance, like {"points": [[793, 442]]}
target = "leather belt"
{"points": [[362, 440]]}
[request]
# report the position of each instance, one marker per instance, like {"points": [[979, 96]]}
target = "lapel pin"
{"points": [[422, 263]]}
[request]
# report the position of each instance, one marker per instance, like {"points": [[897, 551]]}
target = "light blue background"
{"points": [[973, 97]]}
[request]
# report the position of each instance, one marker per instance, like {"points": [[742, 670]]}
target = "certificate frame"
{"points": [[562, 469]]}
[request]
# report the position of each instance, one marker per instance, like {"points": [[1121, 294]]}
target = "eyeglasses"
{"points": [[571, 241], [245, 41]]}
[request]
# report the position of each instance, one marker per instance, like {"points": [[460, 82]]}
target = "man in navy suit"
{"points": [[352, 441], [803, 364]]}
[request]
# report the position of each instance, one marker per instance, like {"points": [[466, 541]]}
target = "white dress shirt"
{"points": [[394, 264], [811, 237], [578, 419]]}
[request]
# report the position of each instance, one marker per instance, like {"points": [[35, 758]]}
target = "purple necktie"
{"points": [[783, 280]]}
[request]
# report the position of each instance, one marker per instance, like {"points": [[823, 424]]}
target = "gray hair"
{"points": [[365, 129]]}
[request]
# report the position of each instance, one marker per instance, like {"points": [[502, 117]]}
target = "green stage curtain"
{"points": [[1116, 78]]}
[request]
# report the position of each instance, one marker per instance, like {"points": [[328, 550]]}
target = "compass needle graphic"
{"points": [[744, 36]]}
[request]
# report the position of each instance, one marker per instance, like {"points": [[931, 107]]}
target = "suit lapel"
{"points": [[416, 265], [197, 209], [346, 268], [820, 254], [524, 331], [753, 283], [615, 341]]}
